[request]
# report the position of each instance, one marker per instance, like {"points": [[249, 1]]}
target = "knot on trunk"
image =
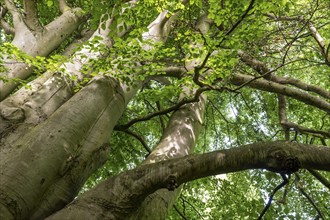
{"points": [[172, 183], [14, 114], [281, 161]]}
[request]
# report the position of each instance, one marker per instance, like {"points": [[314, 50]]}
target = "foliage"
{"points": [[233, 117]]}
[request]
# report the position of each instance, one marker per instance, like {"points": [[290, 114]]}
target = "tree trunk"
{"points": [[178, 140], [53, 137], [57, 156]]}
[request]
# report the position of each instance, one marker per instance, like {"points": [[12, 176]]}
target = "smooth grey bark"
{"points": [[30, 106], [78, 150], [60, 153], [178, 140], [119, 196], [39, 42]]}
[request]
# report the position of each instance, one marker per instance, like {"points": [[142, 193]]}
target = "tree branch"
{"points": [[198, 68], [265, 85], [287, 124], [192, 206], [266, 72], [282, 115], [179, 212], [314, 32], [17, 16], [140, 139], [282, 157], [3, 24], [281, 185], [6, 27], [63, 6], [31, 17], [301, 189], [162, 112], [320, 178]]}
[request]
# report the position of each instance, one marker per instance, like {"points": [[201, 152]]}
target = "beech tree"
{"points": [[164, 109]]}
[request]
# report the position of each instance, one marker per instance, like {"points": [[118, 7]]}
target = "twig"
{"points": [[285, 181], [202, 65], [179, 212], [320, 178], [265, 72], [193, 207], [162, 112], [307, 196], [144, 144]]}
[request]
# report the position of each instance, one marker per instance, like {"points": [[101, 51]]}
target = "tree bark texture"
{"points": [[53, 139], [119, 196], [59, 154]]}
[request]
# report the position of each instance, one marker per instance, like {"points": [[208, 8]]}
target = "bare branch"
{"points": [[139, 138], [192, 206], [3, 24], [31, 17], [265, 85], [281, 185], [314, 32], [266, 72], [301, 189], [179, 212], [320, 178], [275, 156], [162, 112], [6, 27], [63, 6], [17, 16], [287, 124], [282, 115], [304, 130]]}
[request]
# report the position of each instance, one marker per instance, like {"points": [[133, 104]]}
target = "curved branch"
{"points": [[6, 27], [3, 24], [265, 85], [266, 72], [140, 139], [301, 129], [288, 124], [144, 180], [281, 185]]}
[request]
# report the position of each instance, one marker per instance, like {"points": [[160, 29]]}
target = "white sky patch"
{"points": [[222, 176], [232, 111]]}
